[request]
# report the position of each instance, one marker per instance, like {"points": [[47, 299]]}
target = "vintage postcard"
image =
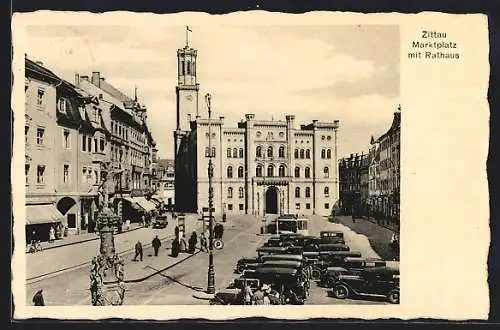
{"points": [[329, 165]]}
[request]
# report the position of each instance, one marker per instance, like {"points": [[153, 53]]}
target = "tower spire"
{"points": [[187, 35], [135, 93]]}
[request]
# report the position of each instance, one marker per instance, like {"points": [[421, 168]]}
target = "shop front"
{"points": [[40, 218]]}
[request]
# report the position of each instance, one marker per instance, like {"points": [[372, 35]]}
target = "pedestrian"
{"points": [[143, 220], [156, 244], [138, 251], [224, 217], [38, 298], [52, 234], [247, 294], [182, 245], [203, 242], [193, 240], [258, 296], [175, 248]]}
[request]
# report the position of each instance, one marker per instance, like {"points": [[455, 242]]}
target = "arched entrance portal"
{"points": [[272, 200]]}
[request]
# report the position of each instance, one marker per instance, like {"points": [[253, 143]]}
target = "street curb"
{"points": [[87, 240], [156, 272]]}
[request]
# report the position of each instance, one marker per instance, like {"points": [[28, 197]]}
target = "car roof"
{"points": [[276, 270], [271, 248], [281, 262], [336, 269], [355, 259], [380, 270], [283, 257], [347, 254]]}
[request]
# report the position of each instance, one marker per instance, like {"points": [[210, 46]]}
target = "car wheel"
{"points": [[241, 269], [315, 274], [393, 296], [340, 291]]}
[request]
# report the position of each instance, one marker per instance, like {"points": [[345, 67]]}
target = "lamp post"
{"points": [[211, 272]]}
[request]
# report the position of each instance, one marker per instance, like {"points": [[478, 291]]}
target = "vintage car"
{"points": [[242, 263], [296, 250], [358, 264], [281, 264], [380, 281], [334, 258], [276, 242], [265, 250], [160, 221], [305, 240], [286, 281], [330, 276], [332, 236], [333, 247], [292, 257], [227, 297]]}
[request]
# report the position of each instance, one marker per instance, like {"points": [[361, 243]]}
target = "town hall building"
{"points": [[260, 166]]}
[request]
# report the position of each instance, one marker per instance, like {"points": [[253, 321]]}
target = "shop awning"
{"points": [[142, 202], [44, 213], [145, 204]]}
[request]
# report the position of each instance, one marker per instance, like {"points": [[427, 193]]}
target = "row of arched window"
{"points": [[188, 68], [270, 152], [270, 171], [326, 192], [326, 153], [230, 172], [235, 153], [281, 171], [241, 192], [302, 154]]}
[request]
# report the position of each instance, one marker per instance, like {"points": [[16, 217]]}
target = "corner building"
{"points": [[260, 167]]}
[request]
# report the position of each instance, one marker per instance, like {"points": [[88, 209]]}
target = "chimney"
{"points": [[86, 78], [40, 63], [96, 79], [102, 79], [77, 80]]}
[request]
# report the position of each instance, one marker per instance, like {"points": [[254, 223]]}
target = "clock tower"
{"points": [[187, 88]]}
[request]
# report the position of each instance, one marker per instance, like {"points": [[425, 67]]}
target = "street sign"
{"points": [[218, 244], [181, 223]]}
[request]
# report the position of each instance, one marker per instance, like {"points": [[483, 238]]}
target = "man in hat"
{"points": [[38, 298]]}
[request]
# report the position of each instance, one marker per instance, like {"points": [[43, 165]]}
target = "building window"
{"points": [[229, 192], [39, 100], [258, 171], [61, 105], [89, 144], [240, 172], [281, 171], [26, 131], [297, 172], [229, 171], [102, 144], [207, 152], [328, 137], [40, 132], [241, 207], [308, 206], [95, 146], [307, 172], [308, 192], [326, 172], [302, 155], [270, 170], [40, 174], [84, 143], [258, 151], [328, 154], [296, 153], [270, 152], [183, 68], [213, 152], [297, 206], [84, 175], [235, 153], [188, 67], [66, 139], [308, 154], [241, 153], [323, 156], [281, 152], [27, 172], [241, 192], [258, 134], [327, 206], [65, 173], [297, 192], [230, 207], [327, 191]]}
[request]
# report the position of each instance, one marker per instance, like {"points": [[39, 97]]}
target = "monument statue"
{"points": [[107, 285]]}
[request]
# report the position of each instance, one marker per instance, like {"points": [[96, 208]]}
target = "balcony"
{"points": [[279, 181]]}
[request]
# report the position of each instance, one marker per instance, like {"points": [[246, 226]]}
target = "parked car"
{"points": [[358, 264], [284, 280], [242, 263], [330, 276], [333, 247], [380, 281], [161, 221], [332, 236], [292, 257], [265, 250], [276, 242]]}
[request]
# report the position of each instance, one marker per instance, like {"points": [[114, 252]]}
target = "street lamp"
{"points": [[211, 272]]}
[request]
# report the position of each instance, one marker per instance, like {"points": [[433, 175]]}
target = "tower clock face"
{"points": [[189, 97]]}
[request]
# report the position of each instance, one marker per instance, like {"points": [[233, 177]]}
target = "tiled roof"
{"points": [[36, 69]]}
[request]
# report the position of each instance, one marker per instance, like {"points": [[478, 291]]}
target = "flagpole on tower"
{"points": [[187, 35]]}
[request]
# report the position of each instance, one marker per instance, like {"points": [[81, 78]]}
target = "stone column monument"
{"points": [[107, 271]]}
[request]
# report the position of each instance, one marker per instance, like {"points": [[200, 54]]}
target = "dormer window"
{"points": [[61, 105]]}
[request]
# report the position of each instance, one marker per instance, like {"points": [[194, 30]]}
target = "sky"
{"points": [[347, 73]]}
